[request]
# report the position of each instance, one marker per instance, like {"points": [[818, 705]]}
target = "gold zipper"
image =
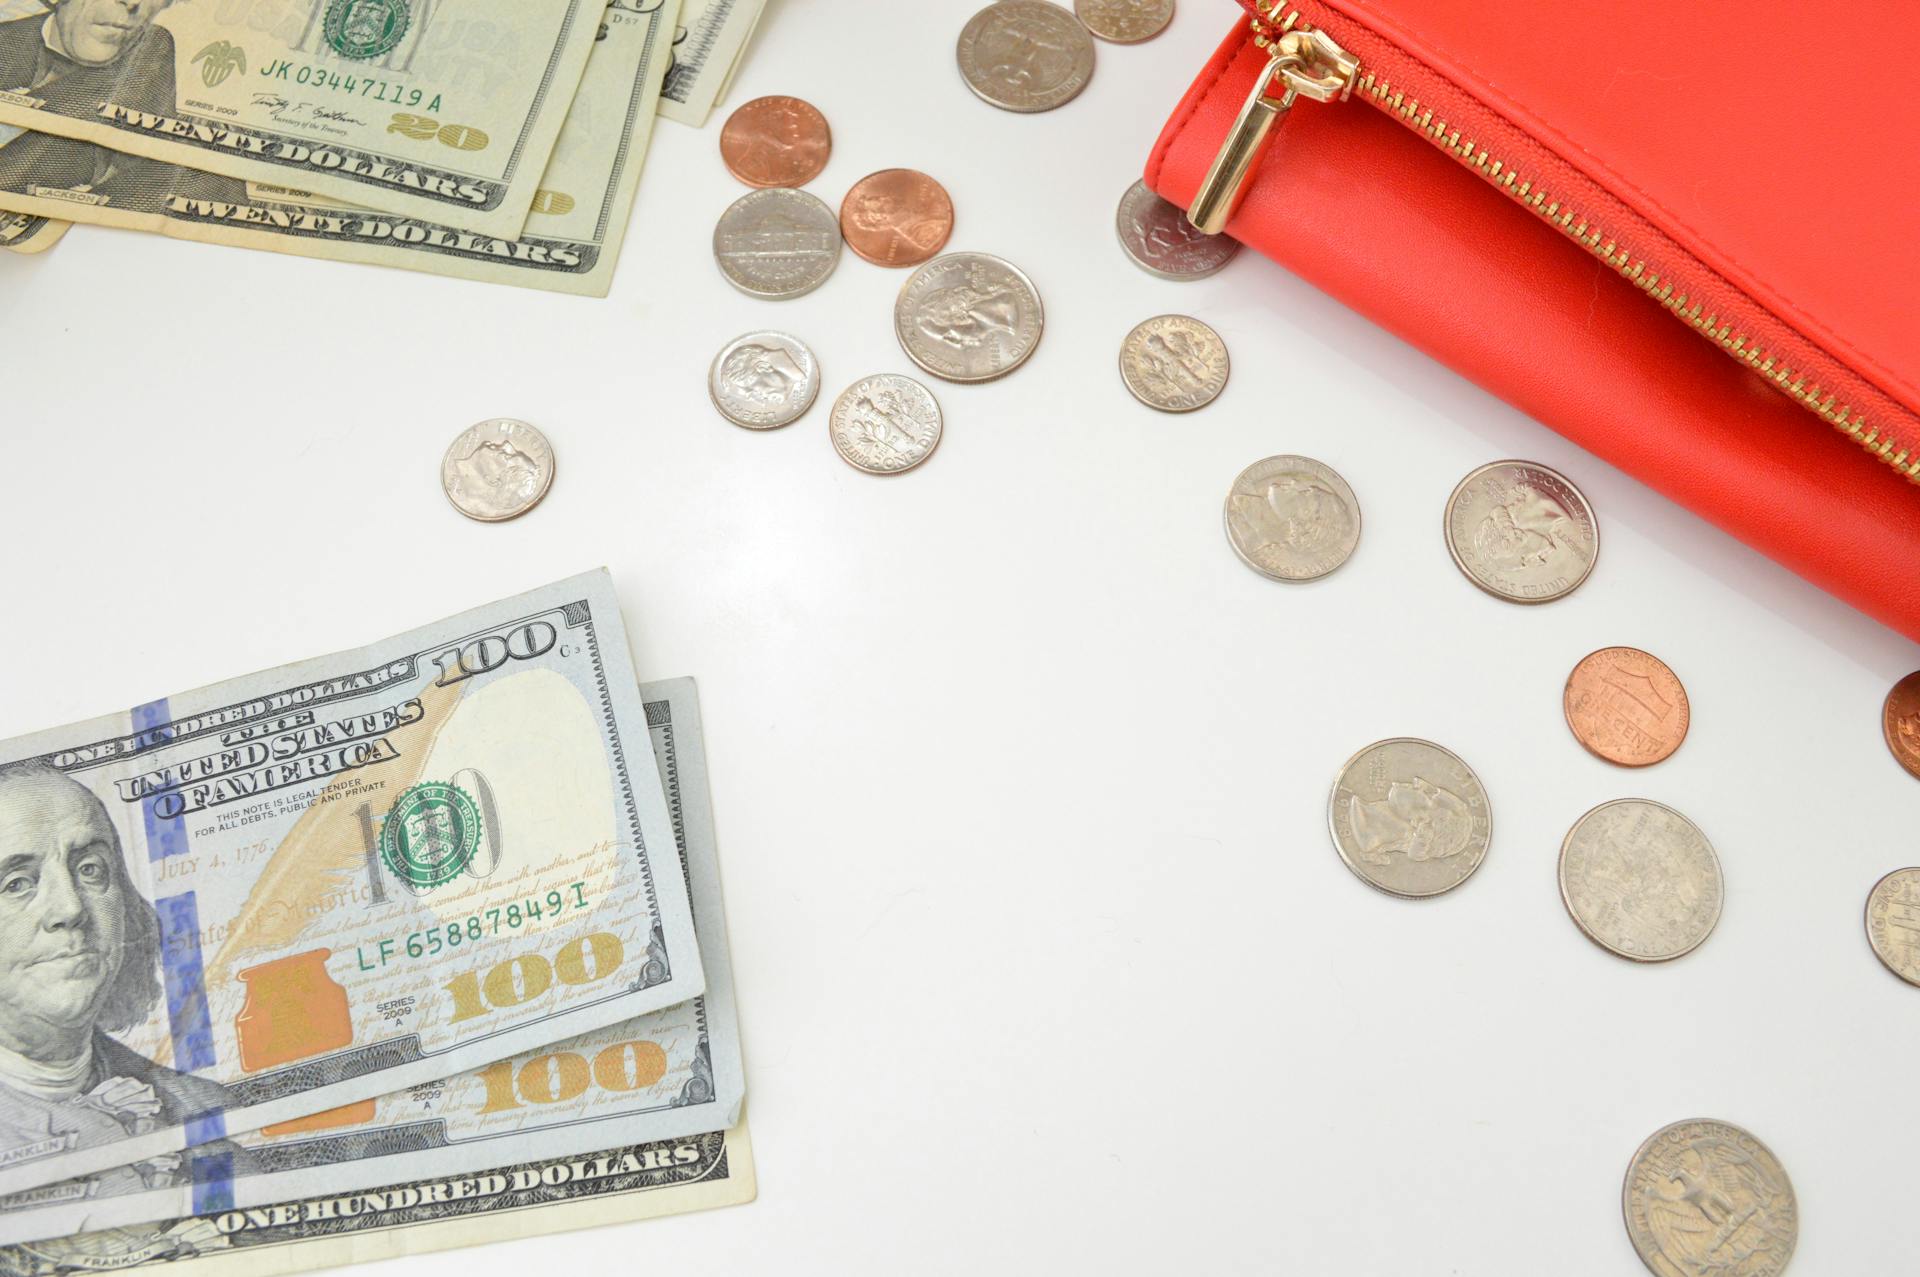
{"points": [[1307, 62]]}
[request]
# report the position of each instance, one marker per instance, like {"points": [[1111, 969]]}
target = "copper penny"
{"points": [[1626, 706], [896, 217], [776, 141], [1900, 720]]}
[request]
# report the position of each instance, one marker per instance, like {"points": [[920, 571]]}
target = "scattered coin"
{"points": [[1522, 532], [1174, 363], [776, 141], [763, 380], [1900, 722], [497, 470], [968, 316], [1292, 518], [885, 424], [1410, 818], [1893, 923], [1125, 21], [896, 217], [1705, 1197], [1025, 55], [1161, 241], [1626, 706], [777, 243], [1641, 880]]}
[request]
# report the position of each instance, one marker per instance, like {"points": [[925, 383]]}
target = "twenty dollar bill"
{"points": [[23, 233]]}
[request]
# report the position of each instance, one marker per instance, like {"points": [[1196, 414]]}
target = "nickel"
{"points": [[968, 316], [1125, 21], [885, 424], [1522, 532], [1626, 706], [1900, 722], [1706, 1199], [497, 470], [1292, 518], [777, 243], [1410, 818], [1640, 880], [896, 217], [1174, 363], [1025, 55], [776, 141], [1161, 241], [763, 380], [1893, 923]]}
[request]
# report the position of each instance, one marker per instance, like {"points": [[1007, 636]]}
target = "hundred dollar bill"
{"points": [[299, 890], [22, 233], [618, 1184], [668, 1074], [711, 41], [445, 110], [570, 243]]}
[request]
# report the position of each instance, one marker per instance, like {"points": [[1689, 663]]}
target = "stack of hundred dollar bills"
{"points": [[498, 140], [408, 947]]}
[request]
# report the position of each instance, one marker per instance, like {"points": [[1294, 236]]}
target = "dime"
{"points": [[896, 217], [1641, 880], [1626, 706], [763, 380], [1409, 817], [885, 424], [1706, 1199], [1125, 21], [1025, 55], [776, 141], [968, 316], [1900, 722], [1893, 923], [1174, 363], [777, 243], [1161, 241], [1292, 518], [497, 470], [1521, 532]]}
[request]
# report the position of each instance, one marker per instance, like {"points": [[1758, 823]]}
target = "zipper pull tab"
{"points": [[1304, 64]]}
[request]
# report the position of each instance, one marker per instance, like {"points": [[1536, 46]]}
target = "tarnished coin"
{"points": [[1161, 241], [777, 243], [1125, 21], [776, 141], [1522, 532], [1641, 880], [763, 380], [1900, 722], [1174, 363], [1292, 518], [968, 316], [1707, 1199], [885, 424], [1025, 55], [497, 470], [1893, 923], [1626, 706], [1410, 817], [896, 217]]}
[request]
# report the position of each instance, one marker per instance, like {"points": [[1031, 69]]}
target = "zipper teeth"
{"points": [[1277, 19]]}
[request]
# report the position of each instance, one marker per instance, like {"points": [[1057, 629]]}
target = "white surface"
{"points": [[1045, 960]]}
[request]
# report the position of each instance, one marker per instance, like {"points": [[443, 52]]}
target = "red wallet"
{"points": [[1651, 229]]}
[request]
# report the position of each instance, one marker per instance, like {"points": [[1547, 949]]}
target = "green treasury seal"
{"points": [[430, 834], [363, 29]]}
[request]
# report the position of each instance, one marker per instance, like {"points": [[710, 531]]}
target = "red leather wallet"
{"points": [[1655, 231]]}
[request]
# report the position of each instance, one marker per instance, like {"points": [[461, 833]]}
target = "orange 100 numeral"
{"points": [[526, 977], [559, 1076], [461, 137]]}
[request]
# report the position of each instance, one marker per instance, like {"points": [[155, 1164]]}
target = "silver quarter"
{"points": [[497, 470], [763, 380], [1025, 55], [1174, 363], [1893, 923], [1522, 532], [1161, 241], [1707, 1199], [968, 316], [1641, 880], [1410, 818], [885, 423], [1292, 518], [777, 243], [1124, 21]]}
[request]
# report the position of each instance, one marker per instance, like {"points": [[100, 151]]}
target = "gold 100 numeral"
{"points": [[559, 1076], [515, 980], [461, 137]]}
